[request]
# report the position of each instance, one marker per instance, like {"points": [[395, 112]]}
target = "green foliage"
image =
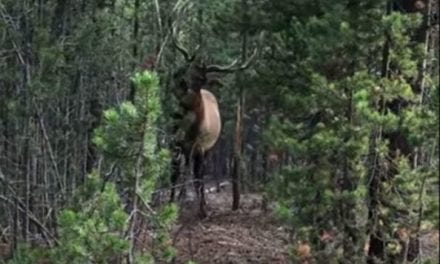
{"points": [[91, 232], [128, 137], [162, 221], [318, 86], [27, 254], [331, 106], [131, 127]]}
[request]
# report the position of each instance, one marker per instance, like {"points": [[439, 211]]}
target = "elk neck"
{"points": [[198, 108]]}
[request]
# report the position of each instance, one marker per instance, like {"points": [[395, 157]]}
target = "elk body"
{"points": [[201, 126], [199, 121]]}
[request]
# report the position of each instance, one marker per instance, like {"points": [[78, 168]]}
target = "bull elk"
{"points": [[199, 118]]}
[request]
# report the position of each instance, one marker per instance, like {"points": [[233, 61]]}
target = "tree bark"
{"points": [[238, 144], [135, 46]]}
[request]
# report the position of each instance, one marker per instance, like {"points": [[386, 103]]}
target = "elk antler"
{"points": [[232, 67], [177, 9], [179, 46]]}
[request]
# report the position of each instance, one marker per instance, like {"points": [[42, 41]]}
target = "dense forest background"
{"points": [[335, 124]]}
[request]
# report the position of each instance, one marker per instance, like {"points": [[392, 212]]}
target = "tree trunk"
{"points": [[238, 144], [237, 156], [135, 46]]}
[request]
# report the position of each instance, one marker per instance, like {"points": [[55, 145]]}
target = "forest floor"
{"points": [[248, 235]]}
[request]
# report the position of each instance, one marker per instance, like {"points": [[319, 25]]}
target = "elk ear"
{"points": [[180, 88]]}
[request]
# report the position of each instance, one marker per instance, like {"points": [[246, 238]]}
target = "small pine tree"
{"points": [[96, 228]]}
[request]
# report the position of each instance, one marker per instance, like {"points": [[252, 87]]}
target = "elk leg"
{"points": [[175, 167], [182, 193], [199, 186]]}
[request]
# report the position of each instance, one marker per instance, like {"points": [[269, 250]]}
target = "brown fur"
{"points": [[208, 120], [200, 126]]}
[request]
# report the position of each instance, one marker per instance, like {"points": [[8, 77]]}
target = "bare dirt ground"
{"points": [[248, 235]]}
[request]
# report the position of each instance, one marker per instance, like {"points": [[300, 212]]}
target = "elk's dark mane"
{"points": [[198, 109]]}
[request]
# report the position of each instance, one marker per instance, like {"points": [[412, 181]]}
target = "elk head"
{"points": [[195, 75]]}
